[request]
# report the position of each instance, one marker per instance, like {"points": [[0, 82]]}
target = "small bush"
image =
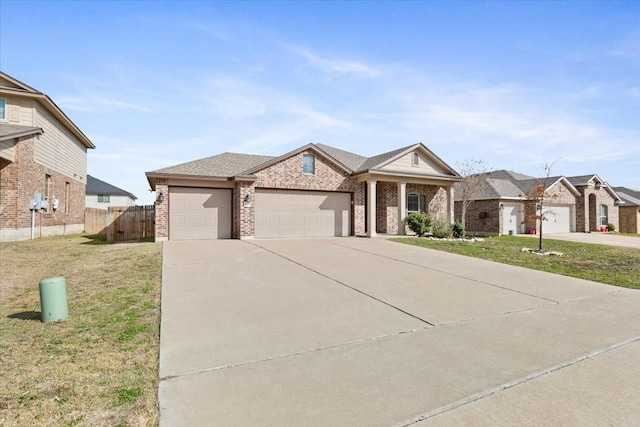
{"points": [[418, 222], [458, 230], [611, 227], [441, 228]]}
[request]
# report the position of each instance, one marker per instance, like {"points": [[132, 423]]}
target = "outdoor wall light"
{"points": [[501, 205], [246, 201], [160, 197]]}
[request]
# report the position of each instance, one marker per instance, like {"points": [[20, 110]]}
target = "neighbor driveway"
{"points": [[353, 331], [611, 239]]}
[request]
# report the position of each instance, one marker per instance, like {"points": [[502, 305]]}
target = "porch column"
{"points": [[402, 206], [450, 203], [371, 208]]}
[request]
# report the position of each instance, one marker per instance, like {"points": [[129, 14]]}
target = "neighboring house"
{"points": [[41, 152], [315, 190], [102, 195], [629, 210], [500, 205]]}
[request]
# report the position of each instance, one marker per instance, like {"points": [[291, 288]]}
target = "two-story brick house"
{"points": [[42, 152], [315, 190]]}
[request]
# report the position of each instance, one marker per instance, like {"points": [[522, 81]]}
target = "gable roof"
{"points": [[628, 196], [229, 166], [508, 184], [96, 186], [16, 87]]}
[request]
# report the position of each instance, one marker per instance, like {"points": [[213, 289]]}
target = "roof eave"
{"points": [[55, 110], [36, 131]]}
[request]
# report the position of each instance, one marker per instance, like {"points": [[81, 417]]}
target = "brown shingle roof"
{"points": [[225, 165]]}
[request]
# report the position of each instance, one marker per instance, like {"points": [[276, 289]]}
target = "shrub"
{"points": [[418, 222], [457, 229], [441, 228], [611, 227]]}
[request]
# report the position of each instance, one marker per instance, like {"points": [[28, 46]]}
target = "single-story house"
{"points": [[500, 204], [629, 209], [102, 195], [43, 165], [314, 190]]}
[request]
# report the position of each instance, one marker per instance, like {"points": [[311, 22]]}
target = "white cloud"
{"points": [[335, 66], [94, 101]]}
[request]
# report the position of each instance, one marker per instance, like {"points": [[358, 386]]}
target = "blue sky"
{"points": [[519, 84]]}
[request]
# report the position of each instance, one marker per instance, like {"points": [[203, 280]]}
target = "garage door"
{"points": [[199, 213], [286, 213], [559, 219]]}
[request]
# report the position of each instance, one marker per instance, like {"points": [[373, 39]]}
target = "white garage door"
{"points": [[287, 213], [199, 213], [559, 219], [512, 215]]}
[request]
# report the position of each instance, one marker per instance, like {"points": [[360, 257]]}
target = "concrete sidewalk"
{"points": [[352, 331], [611, 239]]}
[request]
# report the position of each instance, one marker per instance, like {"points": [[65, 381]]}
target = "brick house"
{"points": [[629, 209], [41, 152], [315, 190], [500, 205]]}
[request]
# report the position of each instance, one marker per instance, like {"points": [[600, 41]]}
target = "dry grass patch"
{"points": [[99, 366]]}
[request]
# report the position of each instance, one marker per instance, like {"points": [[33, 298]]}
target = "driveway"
{"points": [[611, 239], [353, 331]]}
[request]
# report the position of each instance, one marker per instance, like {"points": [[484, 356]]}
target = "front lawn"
{"points": [[100, 365], [606, 264]]}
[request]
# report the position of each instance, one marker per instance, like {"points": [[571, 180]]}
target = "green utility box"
{"points": [[53, 299]]}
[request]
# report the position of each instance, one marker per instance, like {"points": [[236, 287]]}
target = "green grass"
{"points": [[100, 365], [606, 264]]}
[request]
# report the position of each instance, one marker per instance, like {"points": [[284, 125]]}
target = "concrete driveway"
{"points": [[611, 239], [353, 331]]}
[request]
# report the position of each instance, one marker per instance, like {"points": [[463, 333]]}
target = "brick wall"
{"points": [[162, 210], [387, 207], [243, 216], [359, 209], [20, 179], [476, 221], [588, 208]]}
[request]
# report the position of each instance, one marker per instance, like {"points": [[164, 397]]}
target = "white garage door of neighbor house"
{"points": [[199, 213], [287, 213], [512, 218], [558, 219]]}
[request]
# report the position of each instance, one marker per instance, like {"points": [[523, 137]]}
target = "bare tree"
{"points": [[537, 196], [473, 174]]}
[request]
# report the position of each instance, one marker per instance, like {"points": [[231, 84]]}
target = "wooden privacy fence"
{"points": [[121, 223]]}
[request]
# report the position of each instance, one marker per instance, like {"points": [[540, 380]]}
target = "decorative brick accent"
{"points": [[23, 177]]}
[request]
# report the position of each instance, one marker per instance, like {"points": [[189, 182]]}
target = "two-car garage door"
{"points": [[288, 213]]}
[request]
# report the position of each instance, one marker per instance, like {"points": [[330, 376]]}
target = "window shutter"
{"points": [[423, 204]]}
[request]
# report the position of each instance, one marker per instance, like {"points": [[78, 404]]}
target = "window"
{"points": [[414, 159], [604, 217], [308, 164], [104, 198], [413, 203], [47, 187], [3, 109]]}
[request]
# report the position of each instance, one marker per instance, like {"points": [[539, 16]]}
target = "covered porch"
{"points": [[383, 202]]}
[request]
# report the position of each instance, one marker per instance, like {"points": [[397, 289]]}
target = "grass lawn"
{"points": [[100, 365], [606, 264]]}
